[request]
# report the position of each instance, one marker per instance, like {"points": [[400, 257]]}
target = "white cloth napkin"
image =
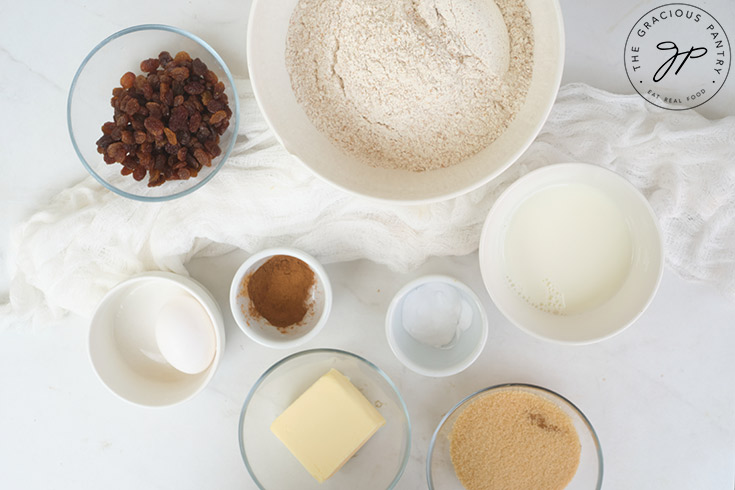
{"points": [[88, 239]]}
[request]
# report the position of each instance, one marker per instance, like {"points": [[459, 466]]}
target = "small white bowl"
{"points": [[122, 340], [433, 361], [621, 301], [258, 328]]}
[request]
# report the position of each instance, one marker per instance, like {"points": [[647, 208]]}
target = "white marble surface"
{"points": [[661, 394]]}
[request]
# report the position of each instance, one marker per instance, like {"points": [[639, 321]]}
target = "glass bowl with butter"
{"points": [[324, 419]]}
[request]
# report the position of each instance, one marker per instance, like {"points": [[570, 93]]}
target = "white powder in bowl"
{"points": [[410, 84]]}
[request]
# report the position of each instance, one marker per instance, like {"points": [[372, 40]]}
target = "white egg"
{"points": [[185, 335]]}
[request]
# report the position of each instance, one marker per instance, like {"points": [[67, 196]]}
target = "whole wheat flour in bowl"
{"points": [[411, 84], [269, 28]]}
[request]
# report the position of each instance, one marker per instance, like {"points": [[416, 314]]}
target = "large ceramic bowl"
{"points": [[88, 106], [378, 465], [266, 48], [440, 473]]}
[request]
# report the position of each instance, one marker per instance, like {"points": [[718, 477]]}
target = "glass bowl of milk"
{"points": [[571, 253]]}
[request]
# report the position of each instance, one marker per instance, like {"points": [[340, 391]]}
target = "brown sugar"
{"points": [[514, 440], [279, 290]]}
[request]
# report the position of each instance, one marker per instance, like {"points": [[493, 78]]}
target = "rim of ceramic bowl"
{"points": [[531, 387], [203, 297], [235, 112], [608, 174], [390, 327], [239, 316], [288, 358], [250, 46]]}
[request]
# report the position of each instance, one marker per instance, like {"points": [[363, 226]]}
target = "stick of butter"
{"points": [[327, 424]]}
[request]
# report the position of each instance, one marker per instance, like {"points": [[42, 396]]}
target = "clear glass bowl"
{"points": [[88, 106], [440, 473], [378, 465]]}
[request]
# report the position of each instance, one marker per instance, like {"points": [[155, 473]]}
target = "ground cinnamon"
{"points": [[279, 290]]}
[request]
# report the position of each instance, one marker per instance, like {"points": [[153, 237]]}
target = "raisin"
{"points": [[170, 136], [192, 162], [194, 121], [219, 89], [180, 73], [194, 88], [147, 90], [212, 148], [203, 134], [178, 118], [210, 77], [195, 103], [137, 122], [146, 160], [108, 127], [168, 99], [116, 133], [139, 173], [154, 109], [222, 127], [104, 141], [217, 117], [184, 137], [154, 126], [127, 137], [183, 173], [181, 154], [182, 57], [150, 65], [130, 162], [139, 137], [154, 80], [202, 157], [215, 105], [121, 120], [198, 67], [116, 151], [140, 80], [127, 80], [164, 58], [177, 87], [131, 106]]}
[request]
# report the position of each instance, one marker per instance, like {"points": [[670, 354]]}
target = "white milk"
{"points": [[567, 249]]}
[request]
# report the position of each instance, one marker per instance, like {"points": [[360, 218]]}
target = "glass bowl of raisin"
{"points": [[153, 112]]}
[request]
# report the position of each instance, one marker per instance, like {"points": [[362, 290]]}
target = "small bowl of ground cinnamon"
{"points": [[281, 297]]}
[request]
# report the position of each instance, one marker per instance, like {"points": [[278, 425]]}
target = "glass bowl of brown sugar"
{"points": [[281, 297], [153, 112], [514, 436]]}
